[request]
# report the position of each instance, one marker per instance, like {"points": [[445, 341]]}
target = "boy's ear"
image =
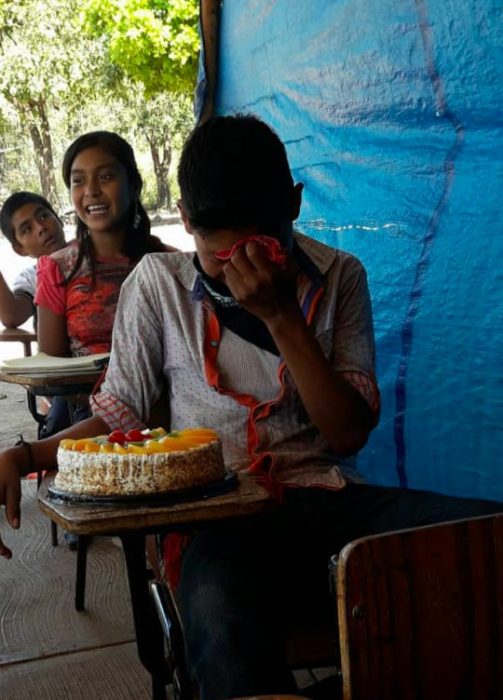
{"points": [[18, 248], [185, 218], [296, 200]]}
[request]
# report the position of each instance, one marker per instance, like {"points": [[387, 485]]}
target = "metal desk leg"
{"points": [[54, 527], [149, 636], [54, 534], [80, 585], [32, 407]]}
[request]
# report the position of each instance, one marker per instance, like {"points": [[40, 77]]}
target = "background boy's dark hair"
{"points": [[15, 202], [138, 239], [234, 172]]}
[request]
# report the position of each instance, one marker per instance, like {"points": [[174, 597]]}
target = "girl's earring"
{"points": [[136, 217]]}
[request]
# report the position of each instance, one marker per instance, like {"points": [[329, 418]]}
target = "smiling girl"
{"points": [[78, 287]]}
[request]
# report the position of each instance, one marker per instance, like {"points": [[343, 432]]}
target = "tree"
{"points": [[154, 43], [165, 121], [40, 71], [68, 66]]}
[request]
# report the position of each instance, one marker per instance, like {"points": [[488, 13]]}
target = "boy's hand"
{"points": [[10, 497], [259, 285], [272, 248]]}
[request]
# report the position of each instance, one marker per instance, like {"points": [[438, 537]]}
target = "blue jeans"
{"points": [[240, 578], [61, 415]]}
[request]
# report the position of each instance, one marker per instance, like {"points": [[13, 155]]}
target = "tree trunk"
{"points": [[49, 176], [39, 129], [161, 169]]}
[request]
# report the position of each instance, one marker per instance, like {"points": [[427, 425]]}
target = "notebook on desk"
{"points": [[42, 364]]}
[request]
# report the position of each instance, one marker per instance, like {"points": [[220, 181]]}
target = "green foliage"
{"points": [[164, 118], [160, 124], [154, 42], [43, 55], [39, 71], [71, 66], [17, 168]]}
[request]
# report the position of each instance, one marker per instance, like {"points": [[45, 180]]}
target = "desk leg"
{"points": [[54, 527], [80, 583], [32, 407], [54, 534], [149, 636]]}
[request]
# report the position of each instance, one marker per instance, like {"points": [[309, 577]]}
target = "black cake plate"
{"points": [[164, 498]]}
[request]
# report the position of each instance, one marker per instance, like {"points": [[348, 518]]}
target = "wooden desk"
{"points": [[75, 387], [19, 335], [51, 384], [132, 523]]}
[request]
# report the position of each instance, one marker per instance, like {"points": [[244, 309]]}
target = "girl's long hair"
{"points": [[138, 239]]}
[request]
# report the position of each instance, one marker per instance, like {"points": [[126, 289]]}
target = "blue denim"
{"points": [[240, 579], [61, 415]]}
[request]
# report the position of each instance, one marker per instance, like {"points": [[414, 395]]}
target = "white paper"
{"points": [[48, 364]]}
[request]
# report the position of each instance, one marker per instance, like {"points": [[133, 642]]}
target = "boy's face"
{"points": [[222, 239], [37, 231]]}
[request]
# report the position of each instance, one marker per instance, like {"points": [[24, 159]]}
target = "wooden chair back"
{"points": [[421, 613]]}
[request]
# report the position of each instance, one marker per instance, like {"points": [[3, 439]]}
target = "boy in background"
{"points": [[33, 229]]}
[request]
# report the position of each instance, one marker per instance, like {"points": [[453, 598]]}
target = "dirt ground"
{"points": [[14, 416]]}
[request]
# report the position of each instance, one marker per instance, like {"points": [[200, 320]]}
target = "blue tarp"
{"points": [[392, 115]]}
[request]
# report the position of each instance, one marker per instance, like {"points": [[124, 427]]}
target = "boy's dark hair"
{"points": [[138, 240], [15, 202], [234, 172]]}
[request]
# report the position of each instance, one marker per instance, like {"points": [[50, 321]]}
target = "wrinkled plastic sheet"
{"points": [[392, 116]]}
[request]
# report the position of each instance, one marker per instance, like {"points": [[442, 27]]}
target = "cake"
{"points": [[139, 462]]}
